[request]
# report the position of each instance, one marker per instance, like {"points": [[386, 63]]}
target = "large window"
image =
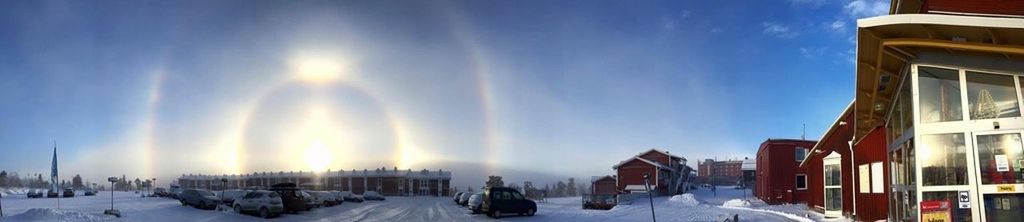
{"points": [[943, 159], [801, 182], [833, 175], [1000, 157], [991, 96], [1004, 207], [939, 94]]}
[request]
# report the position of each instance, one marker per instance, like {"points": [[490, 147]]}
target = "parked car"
{"points": [[161, 192], [34, 193], [89, 192], [599, 201], [201, 199], [464, 199], [174, 191], [291, 197], [372, 195], [501, 200], [349, 196], [456, 197], [230, 196], [52, 193], [339, 197], [311, 201], [474, 202], [326, 197], [265, 204], [68, 193]]}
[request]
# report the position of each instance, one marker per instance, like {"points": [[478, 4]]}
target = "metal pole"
{"points": [[647, 185], [111, 196], [1, 206]]}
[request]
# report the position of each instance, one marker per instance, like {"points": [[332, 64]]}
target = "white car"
{"points": [[327, 198], [372, 195], [311, 201], [349, 196], [229, 196], [464, 199], [475, 201], [265, 204]]}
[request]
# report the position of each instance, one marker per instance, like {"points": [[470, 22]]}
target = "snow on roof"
{"points": [[636, 188], [749, 164], [656, 164], [596, 178], [662, 152]]}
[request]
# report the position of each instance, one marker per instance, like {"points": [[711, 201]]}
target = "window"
{"points": [[940, 94], [833, 175], [991, 96], [801, 153], [801, 182], [1000, 157], [864, 177], [943, 159], [876, 178]]}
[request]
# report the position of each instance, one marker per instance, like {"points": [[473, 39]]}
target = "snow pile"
{"points": [[50, 214], [685, 199], [736, 203]]}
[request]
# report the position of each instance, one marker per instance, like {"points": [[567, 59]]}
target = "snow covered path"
{"points": [[700, 206]]}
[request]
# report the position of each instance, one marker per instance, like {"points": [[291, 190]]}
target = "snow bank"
{"points": [[685, 199], [50, 214], [782, 214], [736, 203]]}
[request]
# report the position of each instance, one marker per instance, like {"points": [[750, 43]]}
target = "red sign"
{"points": [[936, 211]]}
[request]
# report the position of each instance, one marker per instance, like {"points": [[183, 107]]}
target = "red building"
{"points": [[668, 173], [779, 176], [603, 185], [726, 172]]}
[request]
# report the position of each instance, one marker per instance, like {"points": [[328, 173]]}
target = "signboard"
{"points": [[1006, 188], [964, 199], [936, 211], [865, 178], [1002, 164]]}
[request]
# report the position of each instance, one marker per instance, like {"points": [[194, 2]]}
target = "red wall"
{"points": [[1004, 7], [776, 171], [836, 141], [632, 173], [872, 206], [604, 186]]}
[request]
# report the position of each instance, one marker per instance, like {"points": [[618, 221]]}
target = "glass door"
{"points": [[1000, 161], [833, 185]]}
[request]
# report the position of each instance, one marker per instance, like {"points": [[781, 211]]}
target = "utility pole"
{"points": [[647, 185]]}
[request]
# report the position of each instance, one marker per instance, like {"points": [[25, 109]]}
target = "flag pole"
{"points": [[55, 174]]}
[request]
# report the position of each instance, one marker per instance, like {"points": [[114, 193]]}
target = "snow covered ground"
{"points": [[701, 205]]}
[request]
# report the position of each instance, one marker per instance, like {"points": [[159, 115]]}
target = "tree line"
{"points": [[567, 188]]}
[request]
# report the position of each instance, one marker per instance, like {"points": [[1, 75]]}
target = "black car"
{"points": [[502, 200], [69, 193], [90, 192], [202, 199], [291, 197], [34, 194], [52, 193]]}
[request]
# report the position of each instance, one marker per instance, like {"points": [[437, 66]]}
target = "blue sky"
{"points": [[156, 88]]}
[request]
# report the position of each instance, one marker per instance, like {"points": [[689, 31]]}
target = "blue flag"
{"points": [[53, 170]]}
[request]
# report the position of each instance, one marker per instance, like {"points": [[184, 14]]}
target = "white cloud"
{"points": [[811, 3], [838, 25], [779, 30], [811, 53], [867, 8], [716, 30]]}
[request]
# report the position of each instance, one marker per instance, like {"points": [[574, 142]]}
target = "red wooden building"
{"points": [[668, 173], [603, 185], [779, 176], [841, 184]]}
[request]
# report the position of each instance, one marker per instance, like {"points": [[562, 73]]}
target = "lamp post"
{"points": [[223, 184], [647, 185], [152, 188], [112, 211]]}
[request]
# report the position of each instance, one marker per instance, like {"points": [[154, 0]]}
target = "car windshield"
{"points": [[274, 195]]}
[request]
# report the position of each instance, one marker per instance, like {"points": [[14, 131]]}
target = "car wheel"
{"points": [[496, 214], [264, 213], [183, 203], [531, 212], [238, 209]]}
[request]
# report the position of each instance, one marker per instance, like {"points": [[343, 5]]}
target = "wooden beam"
{"points": [[946, 44]]}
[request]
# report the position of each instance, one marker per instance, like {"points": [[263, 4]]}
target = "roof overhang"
{"points": [[886, 44]]}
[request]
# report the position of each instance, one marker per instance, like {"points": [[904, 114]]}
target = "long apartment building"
{"points": [[392, 182]]}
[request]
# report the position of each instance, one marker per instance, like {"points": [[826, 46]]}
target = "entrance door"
{"points": [[1000, 162], [833, 185]]}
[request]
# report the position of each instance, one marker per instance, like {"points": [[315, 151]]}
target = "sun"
{"points": [[317, 157], [318, 68]]}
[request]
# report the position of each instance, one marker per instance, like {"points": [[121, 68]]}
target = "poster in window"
{"points": [[865, 178], [936, 211], [1002, 164], [876, 178]]}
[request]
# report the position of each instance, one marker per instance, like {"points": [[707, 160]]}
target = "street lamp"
{"points": [[112, 211], [647, 185], [223, 184], [152, 188]]}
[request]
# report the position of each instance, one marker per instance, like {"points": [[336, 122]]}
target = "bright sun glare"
{"points": [[317, 157], [318, 69]]}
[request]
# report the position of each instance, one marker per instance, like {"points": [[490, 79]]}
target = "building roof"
{"points": [[830, 132], [596, 178], [885, 44], [749, 164], [662, 152], [656, 164]]}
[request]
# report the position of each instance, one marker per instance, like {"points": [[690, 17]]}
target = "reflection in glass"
{"points": [[943, 159], [832, 175], [991, 96], [1000, 157], [958, 214], [911, 171], [906, 105], [940, 94], [834, 200], [1004, 207]]}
